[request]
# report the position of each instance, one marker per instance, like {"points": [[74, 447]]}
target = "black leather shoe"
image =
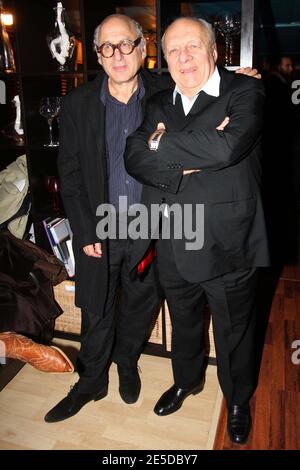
{"points": [[173, 398], [129, 384], [239, 423], [71, 404]]}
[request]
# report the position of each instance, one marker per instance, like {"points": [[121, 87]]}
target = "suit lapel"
{"points": [[226, 79], [96, 117], [205, 100], [179, 119], [96, 120], [202, 102], [169, 110]]}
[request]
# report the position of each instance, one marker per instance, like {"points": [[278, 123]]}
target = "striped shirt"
{"points": [[121, 120]]}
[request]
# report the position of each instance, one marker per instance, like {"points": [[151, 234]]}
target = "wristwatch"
{"points": [[154, 143]]}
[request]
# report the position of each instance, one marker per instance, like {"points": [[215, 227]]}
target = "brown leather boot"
{"points": [[44, 358]]}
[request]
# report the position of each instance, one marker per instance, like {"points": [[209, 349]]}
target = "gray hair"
{"points": [[207, 26], [131, 21]]}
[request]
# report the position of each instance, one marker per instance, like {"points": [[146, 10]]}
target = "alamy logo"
{"points": [[160, 221], [296, 94], [296, 354], [2, 92]]}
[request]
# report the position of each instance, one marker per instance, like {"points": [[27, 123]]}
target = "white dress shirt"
{"points": [[211, 87]]}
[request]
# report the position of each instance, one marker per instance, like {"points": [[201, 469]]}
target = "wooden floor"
{"points": [[200, 424], [276, 404], [108, 423]]}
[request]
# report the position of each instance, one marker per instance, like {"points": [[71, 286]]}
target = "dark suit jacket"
{"points": [[228, 184], [83, 173]]}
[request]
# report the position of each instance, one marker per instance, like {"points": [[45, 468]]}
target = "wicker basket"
{"points": [[70, 320], [209, 335], [157, 332]]}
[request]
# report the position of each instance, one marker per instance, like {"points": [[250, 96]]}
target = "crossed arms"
{"points": [[200, 145]]}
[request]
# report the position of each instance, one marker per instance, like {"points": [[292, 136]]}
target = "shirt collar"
{"points": [[137, 95], [211, 87]]}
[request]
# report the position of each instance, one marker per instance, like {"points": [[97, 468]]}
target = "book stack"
{"points": [[59, 234]]}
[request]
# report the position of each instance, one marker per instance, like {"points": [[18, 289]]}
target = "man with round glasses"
{"points": [[96, 119]]}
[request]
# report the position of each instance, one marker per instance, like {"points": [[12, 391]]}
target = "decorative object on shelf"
{"points": [[18, 129], [61, 41], [52, 185], [49, 109], [7, 61], [228, 26], [14, 130]]}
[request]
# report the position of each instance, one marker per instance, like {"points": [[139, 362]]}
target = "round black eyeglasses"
{"points": [[126, 47]]}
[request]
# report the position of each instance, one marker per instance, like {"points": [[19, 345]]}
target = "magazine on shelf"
{"points": [[60, 238]]}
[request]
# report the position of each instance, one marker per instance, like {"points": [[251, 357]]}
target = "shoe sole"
{"points": [[194, 392]]}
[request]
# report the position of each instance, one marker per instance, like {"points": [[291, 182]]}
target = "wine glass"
{"points": [[52, 185], [49, 108]]}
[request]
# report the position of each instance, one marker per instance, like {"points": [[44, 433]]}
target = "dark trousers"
{"points": [[231, 298], [119, 333]]}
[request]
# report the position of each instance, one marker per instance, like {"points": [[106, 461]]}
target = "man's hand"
{"points": [[94, 250], [249, 71], [223, 124], [160, 130]]}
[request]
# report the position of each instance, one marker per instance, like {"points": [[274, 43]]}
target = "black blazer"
{"points": [[229, 182], [82, 169]]}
